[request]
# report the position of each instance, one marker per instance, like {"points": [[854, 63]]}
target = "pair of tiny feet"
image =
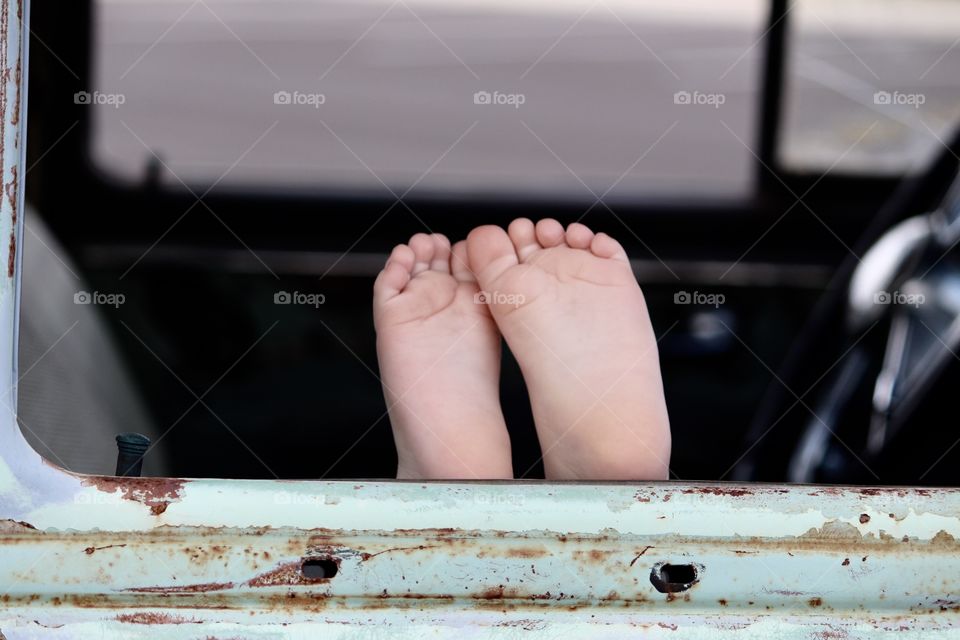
{"points": [[568, 305]]}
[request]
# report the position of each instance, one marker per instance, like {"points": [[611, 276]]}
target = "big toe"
{"points": [[490, 253]]}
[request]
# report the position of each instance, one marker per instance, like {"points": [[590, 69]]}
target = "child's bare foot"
{"points": [[439, 353], [574, 317]]}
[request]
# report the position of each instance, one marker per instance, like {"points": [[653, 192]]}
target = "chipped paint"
{"points": [[152, 618], [154, 493]]}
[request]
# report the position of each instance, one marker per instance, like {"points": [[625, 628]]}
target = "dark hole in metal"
{"points": [[318, 568], [672, 578]]}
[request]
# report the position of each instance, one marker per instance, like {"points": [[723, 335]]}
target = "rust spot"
{"points": [[815, 602], [526, 553], [289, 574], [595, 554], [493, 593], [947, 605], [722, 602], [154, 618], [366, 556], [11, 191], [12, 256], [385, 595], [864, 518], [527, 625], [436, 532], [156, 493], [721, 491], [845, 563], [831, 635], [899, 492], [187, 588], [943, 539], [15, 120], [637, 557], [667, 625], [91, 550]]}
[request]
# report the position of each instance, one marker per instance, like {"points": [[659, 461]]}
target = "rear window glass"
{"points": [[613, 98]]}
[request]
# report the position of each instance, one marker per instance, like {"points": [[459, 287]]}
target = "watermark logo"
{"points": [[899, 298], [297, 297], [496, 499], [110, 99], [97, 498], [914, 100], [509, 99], [698, 298], [96, 297], [299, 98], [499, 298], [297, 498], [698, 98]]}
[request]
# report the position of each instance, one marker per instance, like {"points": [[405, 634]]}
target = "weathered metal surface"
{"points": [[489, 560], [99, 557]]}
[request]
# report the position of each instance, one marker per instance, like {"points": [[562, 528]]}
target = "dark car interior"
{"points": [[795, 376]]}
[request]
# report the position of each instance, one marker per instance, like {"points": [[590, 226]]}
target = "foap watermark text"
{"points": [[499, 297], [298, 297], [97, 297], [114, 100], [299, 98], [915, 100], [899, 298], [698, 298], [699, 98], [514, 100]]}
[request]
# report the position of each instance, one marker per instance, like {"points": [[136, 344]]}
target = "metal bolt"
{"points": [[131, 447]]}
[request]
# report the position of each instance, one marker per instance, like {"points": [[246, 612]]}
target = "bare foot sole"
{"points": [[572, 313], [439, 353]]}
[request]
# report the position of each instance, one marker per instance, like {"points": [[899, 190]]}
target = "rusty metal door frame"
{"points": [[91, 556]]}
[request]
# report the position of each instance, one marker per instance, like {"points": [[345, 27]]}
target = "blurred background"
{"points": [[189, 160]]}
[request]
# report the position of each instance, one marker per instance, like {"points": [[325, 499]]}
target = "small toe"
{"points": [[390, 282], [523, 234], [579, 236], [441, 254], [490, 253], [550, 233], [459, 263], [604, 246], [423, 250], [403, 255]]}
